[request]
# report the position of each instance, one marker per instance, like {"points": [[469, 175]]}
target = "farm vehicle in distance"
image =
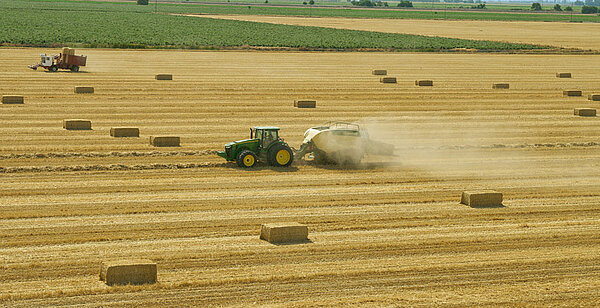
{"points": [[65, 60]]}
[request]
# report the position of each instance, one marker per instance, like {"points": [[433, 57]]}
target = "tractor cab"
{"points": [[47, 60], [265, 135]]}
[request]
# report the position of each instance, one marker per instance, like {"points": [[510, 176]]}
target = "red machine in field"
{"points": [[66, 60]]}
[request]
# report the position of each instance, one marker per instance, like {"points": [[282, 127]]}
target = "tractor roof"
{"points": [[267, 127]]}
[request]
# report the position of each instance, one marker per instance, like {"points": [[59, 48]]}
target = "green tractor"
{"points": [[264, 145]]}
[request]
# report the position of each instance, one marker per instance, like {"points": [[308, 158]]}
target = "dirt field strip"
{"points": [[389, 232], [559, 34]]}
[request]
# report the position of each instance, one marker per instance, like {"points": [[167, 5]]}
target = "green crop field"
{"points": [[355, 12], [54, 23], [377, 13]]}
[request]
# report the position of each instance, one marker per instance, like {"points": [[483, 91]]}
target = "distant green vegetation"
{"points": [[376, 13], [391, 12], [88, 24], [490, 6]]}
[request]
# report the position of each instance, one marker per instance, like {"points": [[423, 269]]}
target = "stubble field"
{"points": [[388, 232]]}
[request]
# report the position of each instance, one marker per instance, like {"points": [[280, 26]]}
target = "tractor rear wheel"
{"points": [[246, 159], [74, 68], [280, 156], [53, 68]]}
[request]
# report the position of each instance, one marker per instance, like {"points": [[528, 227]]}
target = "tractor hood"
{"points": [[240, 142]]}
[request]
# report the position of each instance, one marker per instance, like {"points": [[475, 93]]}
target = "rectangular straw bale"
{"points": [[124, 132], [77, 124], [164, 77], [305, 104], [585, 112], [563, 75], [424, 83], [380, 72], [68, 51], [482, 198], [12, 99], [500, 86], [84, 89], [284, 232], [594, 97], [572, 93], [164, 141], [387, 80], [128, 272]]}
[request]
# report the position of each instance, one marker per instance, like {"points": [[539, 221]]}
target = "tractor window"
{"points": [[269, 136]]}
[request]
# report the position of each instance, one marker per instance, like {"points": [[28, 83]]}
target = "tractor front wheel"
{"points": [[280, 156], [246, 159], [53, 68]]}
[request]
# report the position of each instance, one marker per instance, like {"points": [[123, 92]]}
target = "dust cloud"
{"points": [[450, 148]]}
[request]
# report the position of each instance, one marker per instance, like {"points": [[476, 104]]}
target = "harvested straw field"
{"points": [[390, 231]]}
